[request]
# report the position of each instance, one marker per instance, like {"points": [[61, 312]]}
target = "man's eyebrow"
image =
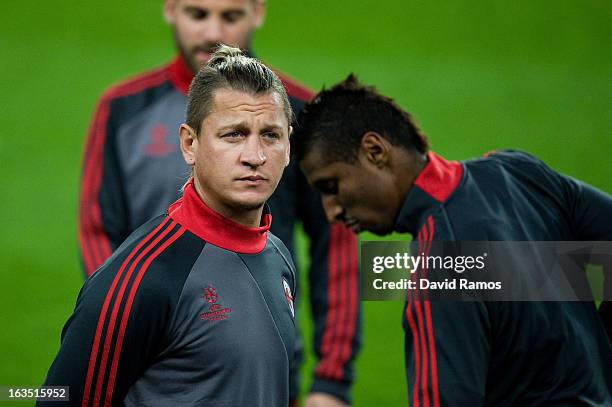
{"points": [[236, 125], [237, 11], [244, 125], [269, 127], [192, 8]]}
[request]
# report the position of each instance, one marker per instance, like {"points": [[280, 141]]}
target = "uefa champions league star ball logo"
{"points": [[216, 312], [210, 294]]}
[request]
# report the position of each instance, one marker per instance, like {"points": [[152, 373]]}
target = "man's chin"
{"points": [[250, 204]]}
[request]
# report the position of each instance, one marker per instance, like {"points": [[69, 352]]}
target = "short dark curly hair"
{"points": [[337, 118]]}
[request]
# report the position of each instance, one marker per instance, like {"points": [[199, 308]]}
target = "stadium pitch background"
{"points": [[476, 75]]}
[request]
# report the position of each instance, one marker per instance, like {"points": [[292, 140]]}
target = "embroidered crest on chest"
{"points": [[216, 311]]}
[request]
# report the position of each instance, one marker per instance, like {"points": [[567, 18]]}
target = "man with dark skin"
{"points": [[375, 172]]}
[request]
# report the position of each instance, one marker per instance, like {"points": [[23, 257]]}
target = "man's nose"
{"points": [[253, 153], [212, 31], [333, 211]]}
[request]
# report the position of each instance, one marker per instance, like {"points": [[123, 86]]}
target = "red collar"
{"points": [[180, 74], [191, 212], [432, 187], [439, 178]]}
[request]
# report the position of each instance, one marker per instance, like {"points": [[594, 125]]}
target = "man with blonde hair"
{"points": [[195, 307], [133, 169]]}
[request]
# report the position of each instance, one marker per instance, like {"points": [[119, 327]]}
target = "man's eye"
{"points": [[232, 16], [232, 135], [271, 135], [197, 14], [328, 188]]}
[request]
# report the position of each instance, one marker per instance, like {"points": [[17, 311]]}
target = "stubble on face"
{"points": [[200, 26], [242, 152]]}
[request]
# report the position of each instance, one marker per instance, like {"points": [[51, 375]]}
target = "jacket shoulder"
{"points": [[137, 83], [521, 165], [514, 156], [282, 249]]}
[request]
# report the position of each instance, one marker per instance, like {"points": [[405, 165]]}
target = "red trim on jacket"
{"points": [[439, 178], [112, 376], [94, 241], [348, 246], [97, 375], [423, 339], [343, 304], [180, 74], [429, 326], [191, 212], [327, 368], [294, 88]]}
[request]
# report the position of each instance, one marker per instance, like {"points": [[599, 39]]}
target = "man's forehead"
{"points": [[231, 106], [236, 100], [315, 165]]}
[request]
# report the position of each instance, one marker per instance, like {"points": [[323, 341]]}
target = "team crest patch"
{"points": [[216, 312], [288, 297], [159, 145]]}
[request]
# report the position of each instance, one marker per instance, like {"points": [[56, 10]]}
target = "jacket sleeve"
{"points": [[334, 295], [110, 339], [591, 211], [102, 214], [587, 209], [591, 214]]}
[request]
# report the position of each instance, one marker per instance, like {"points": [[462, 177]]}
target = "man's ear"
{"points": [[288, 151], [374, 148], [260, 12], [189, 143], [169, 14]]}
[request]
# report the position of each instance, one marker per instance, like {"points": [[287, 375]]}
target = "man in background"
{"points": [[375, 172], [132, 170]]}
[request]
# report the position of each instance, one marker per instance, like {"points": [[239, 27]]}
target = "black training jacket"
{"points": [[504, 353], [192, 309], [133, 169]]}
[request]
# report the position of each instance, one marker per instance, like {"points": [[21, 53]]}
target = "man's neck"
{"points": [[409, 166], [246, 217]]}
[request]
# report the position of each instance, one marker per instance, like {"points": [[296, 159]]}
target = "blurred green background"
{"points": [[477, 76]]}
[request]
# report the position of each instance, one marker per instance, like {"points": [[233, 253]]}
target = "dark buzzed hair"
{"points": [[229, 68], [337, 118]]}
